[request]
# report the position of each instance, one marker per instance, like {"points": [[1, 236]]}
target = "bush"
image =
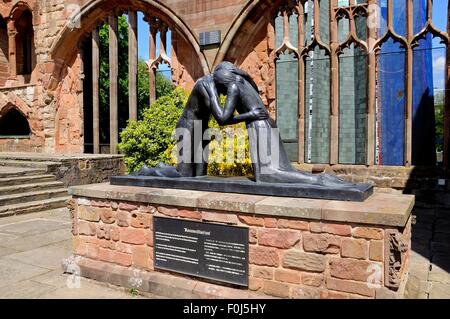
{"points": [[145, 142], [236, 136]]}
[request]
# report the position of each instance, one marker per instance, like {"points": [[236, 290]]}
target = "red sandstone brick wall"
{"points": [[289, 258]]}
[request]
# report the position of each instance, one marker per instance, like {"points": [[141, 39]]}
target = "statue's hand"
{"points": [[259, 115]]}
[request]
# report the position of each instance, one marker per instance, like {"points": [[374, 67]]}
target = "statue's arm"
{"points": [[225, 116]]}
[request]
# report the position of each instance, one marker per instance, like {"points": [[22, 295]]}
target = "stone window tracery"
{"points": [[359, 78]]}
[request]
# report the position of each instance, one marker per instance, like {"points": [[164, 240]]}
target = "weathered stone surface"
{"points": [[352, 269], [115, 257], [141, 220], [321, 243], [133, 236], [334, 229], [376, 250], [190, 214], [123, 218], [296, 259], [229, 202], [264, 256], [383, 209], [287, 276], [107, 216], [168, 211], [251, 220], [350, 287], [270, 222], [369, 212], [220, 217], [127, 207], [262, 272], [253, 236], [142, 257], [103, 232], [368, 233], [89, 213], [276, 289], [313, 280], [300, 208], [293, 224], [255, 284], [305, 293], [354, 248], [85, 228], [278, 238]]}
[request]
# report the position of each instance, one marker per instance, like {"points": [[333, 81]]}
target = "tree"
{"points": [[164, 86], [439, 117]]}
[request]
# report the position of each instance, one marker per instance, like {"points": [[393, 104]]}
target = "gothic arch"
{"points": [[18, 9], [12, 101], [94, 12], [255, 12]]}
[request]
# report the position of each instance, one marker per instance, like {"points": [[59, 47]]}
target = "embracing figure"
{"points": [[268, 155]]}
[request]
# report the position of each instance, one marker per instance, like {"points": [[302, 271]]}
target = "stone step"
{"points": [[32, 196], [25, 163], [21, 180], [31, 157], [26, 188], [6, 172], [34, 206]]}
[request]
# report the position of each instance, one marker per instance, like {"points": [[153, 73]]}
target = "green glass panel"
{"points": [[352, 106], [287, 102], [317, 107]]}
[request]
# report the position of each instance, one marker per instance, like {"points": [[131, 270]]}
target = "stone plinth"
{"points": [[299, 248]]}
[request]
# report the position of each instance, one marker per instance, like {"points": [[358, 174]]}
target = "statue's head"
{"points": [[226, 73]]}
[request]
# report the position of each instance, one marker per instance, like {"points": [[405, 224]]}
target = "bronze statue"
{"points": [[274, 174], [242, 96]]}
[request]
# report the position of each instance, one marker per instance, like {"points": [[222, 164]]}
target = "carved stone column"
{"points": [[95, 90], [132, 63], [152, 55], [113, 85], [12, 32], [334, 99]]}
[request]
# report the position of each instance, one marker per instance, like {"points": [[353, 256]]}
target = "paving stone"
{"points": [[89, 290], [40, 240], [26, 260], [12, 271], [439, 291], [416, 288], [49, 257], [31, 227], [54, 278], [4, 251], [25, 290]]}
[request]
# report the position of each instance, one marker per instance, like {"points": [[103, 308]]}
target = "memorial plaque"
{"points": [[211, 251]]}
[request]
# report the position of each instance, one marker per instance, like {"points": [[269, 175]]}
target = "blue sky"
{"points": [[143, 41], [440, 21]]}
